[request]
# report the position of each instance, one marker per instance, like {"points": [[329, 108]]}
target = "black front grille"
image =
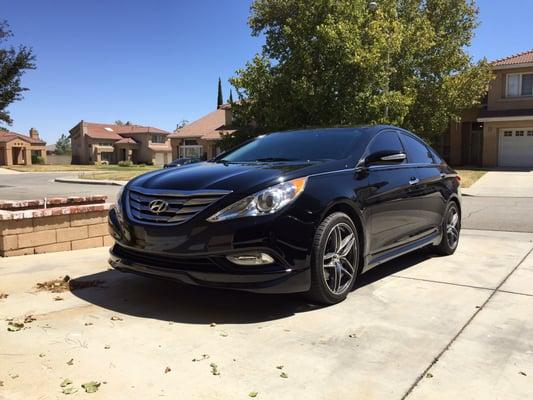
{"points": [[180, 205], [203, 264]]}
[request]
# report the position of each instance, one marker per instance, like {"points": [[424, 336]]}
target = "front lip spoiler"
{"points": [[289, 281]]}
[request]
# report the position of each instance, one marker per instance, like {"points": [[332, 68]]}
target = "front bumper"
{"points": [[211, 271], [195, 252]]}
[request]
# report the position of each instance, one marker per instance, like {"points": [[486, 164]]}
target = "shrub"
{"points": [[126, 163], [37, 160]]}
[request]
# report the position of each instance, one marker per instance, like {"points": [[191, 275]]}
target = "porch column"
{"points": [[27, 156]]}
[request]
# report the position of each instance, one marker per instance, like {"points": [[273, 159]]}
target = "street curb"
{"points": [[90, 181]]}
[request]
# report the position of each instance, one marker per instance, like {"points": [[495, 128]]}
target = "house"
{"points": [[500, 133], [200, 138], [95, 143], [18, 149]]}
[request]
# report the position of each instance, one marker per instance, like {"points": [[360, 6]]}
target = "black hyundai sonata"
{"points": [[299, 211]]}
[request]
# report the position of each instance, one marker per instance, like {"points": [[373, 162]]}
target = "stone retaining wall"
{"points": [[58, 224]]}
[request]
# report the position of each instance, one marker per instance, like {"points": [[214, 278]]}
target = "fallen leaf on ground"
{"points": [[3, 296], [91, 387], [203, 357], [1, 383], [13, 326], [69, 390], [28, 319], [42, 355], [223, 334], [284, 375], [70, 362], [115, 318], [88, 324], [107, 347], [212, 324], [252, 394], [279, 367], [167, 370], [58, 298], [14, 376], [522, 373], [214, 369], [429, 375], [65, 283], [352, 336], [66, 382]]}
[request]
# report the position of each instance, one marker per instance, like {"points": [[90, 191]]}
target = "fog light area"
{"points": [[251, 259]]}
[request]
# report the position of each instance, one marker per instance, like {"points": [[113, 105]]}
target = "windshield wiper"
{"points": [[267, 159]]}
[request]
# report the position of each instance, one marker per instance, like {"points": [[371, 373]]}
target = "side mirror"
{"points": [[385, 157]]}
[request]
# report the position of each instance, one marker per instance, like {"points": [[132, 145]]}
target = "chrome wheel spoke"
{"points": [[346, 245]]}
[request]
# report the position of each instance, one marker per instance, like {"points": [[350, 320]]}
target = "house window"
{"points": [[190, 142], [519, 85], [158, 139], [193, 151]]}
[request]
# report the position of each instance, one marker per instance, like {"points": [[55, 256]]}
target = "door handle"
{"points": [[413, 181]]}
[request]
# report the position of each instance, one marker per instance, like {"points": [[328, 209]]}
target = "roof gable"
{"points": [[8, 136], [210, 126]]}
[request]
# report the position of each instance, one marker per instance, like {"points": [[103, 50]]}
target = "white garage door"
{"points": [[516, 148]]}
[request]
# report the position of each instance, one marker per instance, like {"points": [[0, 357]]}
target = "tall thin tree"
{"points": [[220, 99]]}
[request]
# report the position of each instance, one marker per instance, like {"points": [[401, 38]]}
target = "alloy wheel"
{"points": [[340, 258], [452, 227]]}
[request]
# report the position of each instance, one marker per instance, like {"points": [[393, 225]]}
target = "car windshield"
{"points": [[312, 145]]}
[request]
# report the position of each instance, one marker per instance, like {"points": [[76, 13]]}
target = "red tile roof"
{"points": [[114, 132], [525, 57], [126, 141], [209, 127], [7, 136]]}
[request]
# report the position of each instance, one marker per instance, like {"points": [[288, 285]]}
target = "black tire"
{"points": [[322, 280], [450, 231]]}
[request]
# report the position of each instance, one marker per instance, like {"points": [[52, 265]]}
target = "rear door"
{"points": [[392, 210], [428, 186]]}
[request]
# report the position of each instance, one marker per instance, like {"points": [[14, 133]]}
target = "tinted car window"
{"points": [[417, 152], [386, 142], [324, 144]]}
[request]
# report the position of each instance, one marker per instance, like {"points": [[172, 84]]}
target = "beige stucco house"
{"points": [[95, 143], [17, 149], [500, 133], [200, 138]]}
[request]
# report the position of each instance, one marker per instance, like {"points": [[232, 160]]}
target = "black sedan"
{"points": [[178, 162], [299, 211]]}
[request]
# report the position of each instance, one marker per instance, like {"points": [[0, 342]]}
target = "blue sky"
{"points": [[158, 62]]}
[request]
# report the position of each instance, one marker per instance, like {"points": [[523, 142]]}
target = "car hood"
{"points": [[230, 176]]}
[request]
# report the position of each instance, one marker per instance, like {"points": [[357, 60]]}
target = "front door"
{"points": [[392, 212]]}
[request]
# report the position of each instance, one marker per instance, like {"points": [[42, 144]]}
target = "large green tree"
{"points": [[346, 62], [13, 63]]}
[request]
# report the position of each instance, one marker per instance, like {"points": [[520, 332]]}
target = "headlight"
{"points": [[265, 202]]}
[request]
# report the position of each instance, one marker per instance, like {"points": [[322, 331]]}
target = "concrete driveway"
{"points": [[503, 184], [420, 327]]}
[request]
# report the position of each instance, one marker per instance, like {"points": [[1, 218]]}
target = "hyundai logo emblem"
{"points": [[158, 206]]}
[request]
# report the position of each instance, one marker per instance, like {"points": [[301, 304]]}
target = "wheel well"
{"points": [[458, 204], [354, 216]]}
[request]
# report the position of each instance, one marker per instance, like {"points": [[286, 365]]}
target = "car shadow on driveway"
{"points": [[169, 301]]}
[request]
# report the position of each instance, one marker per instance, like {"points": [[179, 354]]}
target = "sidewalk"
{"points": [[502, 184]]}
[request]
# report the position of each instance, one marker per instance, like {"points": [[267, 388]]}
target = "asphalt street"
{"points": [[38, 185], [484, 213]]}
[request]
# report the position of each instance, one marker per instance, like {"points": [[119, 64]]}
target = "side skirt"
{"points": [[377, 259]]}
